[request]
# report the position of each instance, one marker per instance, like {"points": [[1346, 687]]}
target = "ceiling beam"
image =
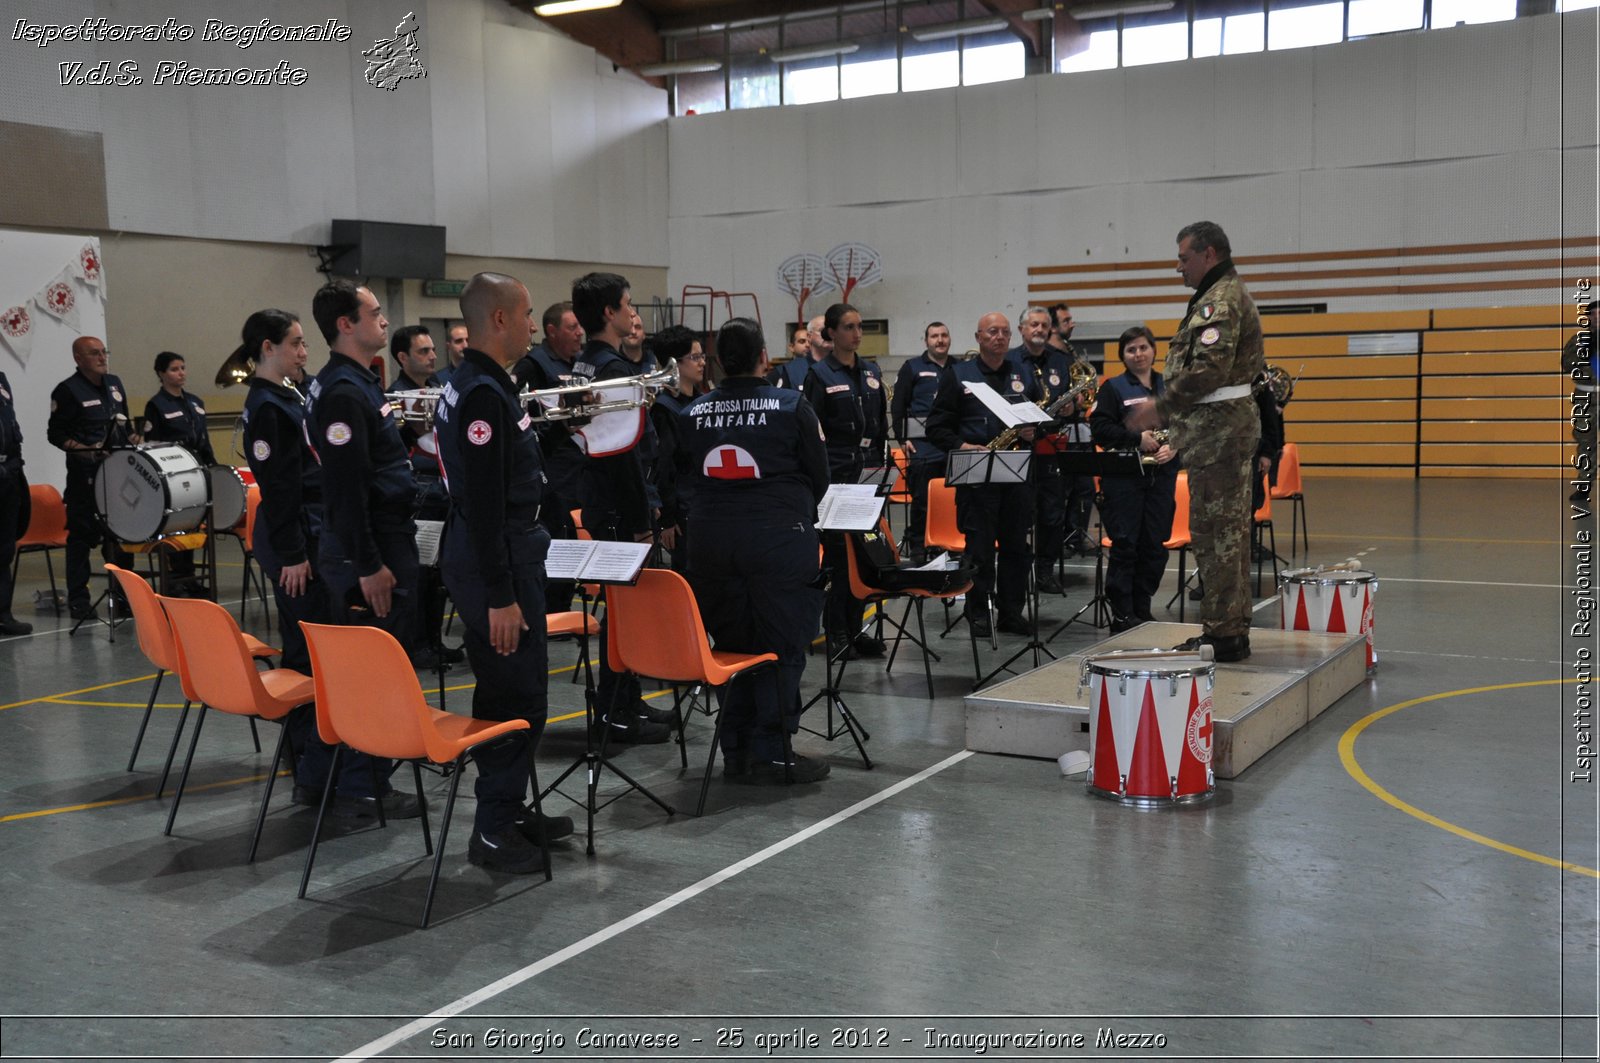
{"points": [[626, 35], [1032, 33], [741, 11]]}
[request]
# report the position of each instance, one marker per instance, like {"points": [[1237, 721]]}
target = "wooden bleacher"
{"points": [[1480, 394]]}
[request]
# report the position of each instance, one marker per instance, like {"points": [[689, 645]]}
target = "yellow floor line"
{"points": [[1347, 755], [131, 800]]}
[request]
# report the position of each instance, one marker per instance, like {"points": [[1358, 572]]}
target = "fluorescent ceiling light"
{"points": [[1039, 14], [572, 7], [816, 51], [944, 30], [1112, 8], [682, 66]]}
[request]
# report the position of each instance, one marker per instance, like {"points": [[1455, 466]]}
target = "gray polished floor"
{"points": [[1394, 895]]}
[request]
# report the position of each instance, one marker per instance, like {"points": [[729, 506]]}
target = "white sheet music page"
{"points": [[567, 557], [428, 533], [1010, 413], [850, 507], [615, 563]]}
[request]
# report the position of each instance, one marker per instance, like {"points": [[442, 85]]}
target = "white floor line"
{"points": [[577, 948]]}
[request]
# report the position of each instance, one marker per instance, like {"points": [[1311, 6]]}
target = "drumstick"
{"points": [[1206, 652], [1350, 565]]}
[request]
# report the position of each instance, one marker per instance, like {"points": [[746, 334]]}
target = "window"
{"points": [[752, 77], [933, 69], [1163, 42], [1576, 5], [813, 81], [700, 93], [1092, 45], [1384, 16], [872, 71], [991, 57], [1303, 27], [1447, 13]]}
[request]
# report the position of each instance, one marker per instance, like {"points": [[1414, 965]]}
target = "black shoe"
{"points": [[1196, 593], [453, 654], [528, 823], [10, 625], [867, 646], [84, 612], [309, 796], [1048, 584], [429, 660], [656, 714], [770, 772], [1230, 648], [633, 730], [842, 651], [506, 851], [1143, 618], [396, 805], [735, 763], [980, 625], [1119, 624], [1014, 625]]}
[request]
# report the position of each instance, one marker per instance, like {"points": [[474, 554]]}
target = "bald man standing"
{"points": [[493, 565], [88, 417]]}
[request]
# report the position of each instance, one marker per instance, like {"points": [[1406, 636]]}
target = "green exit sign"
{"points": [[443, 289]]}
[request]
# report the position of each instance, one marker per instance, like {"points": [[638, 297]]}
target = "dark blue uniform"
{"points": [[1047, 377], [179, 419], [914, 390], [16, 504], [989, 513], [672, 476], [288, 525], [616, 507], [854, 413], [433, 503], [791, 374], [87, 414], [1137, 510], [494, 551], [563, 462], [756, 459], [368, 495]]}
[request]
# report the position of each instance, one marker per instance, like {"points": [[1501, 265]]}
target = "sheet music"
{"points": [[428, 534], [971, 467], [1009, 413], [942, 563], [850, 507], [883, 476], [588, 561]]}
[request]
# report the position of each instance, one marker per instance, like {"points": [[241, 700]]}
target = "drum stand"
{"points": [[1099, 604], [847, 724]]}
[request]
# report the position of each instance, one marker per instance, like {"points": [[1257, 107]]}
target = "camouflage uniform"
{"points": [[1217, 346], [1577, 362]]}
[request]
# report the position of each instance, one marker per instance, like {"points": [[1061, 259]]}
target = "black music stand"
{"points": [[1113, 463], [593, 758]]}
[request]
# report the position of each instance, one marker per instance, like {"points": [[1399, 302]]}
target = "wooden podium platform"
{"points": [[1290, 679]]}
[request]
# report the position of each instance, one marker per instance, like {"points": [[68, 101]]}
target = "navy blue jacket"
{"points": [[289, 517], [754, 454], [854, 413], [182, 420]]}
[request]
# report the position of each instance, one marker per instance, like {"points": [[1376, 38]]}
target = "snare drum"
{"points": [[227, 496], [1150, 727], [1336, 602], [148, 491]]}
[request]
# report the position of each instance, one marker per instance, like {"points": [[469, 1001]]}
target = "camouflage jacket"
{"points": [[1217, 346]]}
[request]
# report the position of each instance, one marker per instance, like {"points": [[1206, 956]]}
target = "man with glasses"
{"points": [[88, 417], [989, 514]]}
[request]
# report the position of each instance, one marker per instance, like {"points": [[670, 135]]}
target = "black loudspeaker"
{"points": [[386, 249]]}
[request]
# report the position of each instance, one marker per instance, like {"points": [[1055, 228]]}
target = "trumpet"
{"points": [[549, 405], [1163, 437]]}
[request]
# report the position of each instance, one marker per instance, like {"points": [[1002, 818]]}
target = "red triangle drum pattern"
{"points": [[1326, 601], [1150, 731]]}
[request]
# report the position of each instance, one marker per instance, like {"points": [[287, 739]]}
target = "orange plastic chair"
{"points": [[943, 532], [655, 631], [1261, 526], [369, 700], [156, 643], [46, 531], [900, 493], [861, 590], [1291, 488], [1180, 539], [217, 669], [254, 578]]}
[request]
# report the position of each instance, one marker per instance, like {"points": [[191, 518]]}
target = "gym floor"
{"points": [[1411, 876]]}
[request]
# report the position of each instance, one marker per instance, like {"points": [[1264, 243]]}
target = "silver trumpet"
{"points": [[569, 402]]}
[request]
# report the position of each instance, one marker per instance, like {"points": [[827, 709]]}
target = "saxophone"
{"points": [[1082, 383]]}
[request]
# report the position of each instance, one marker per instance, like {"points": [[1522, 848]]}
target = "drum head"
{"points": [[1328, 577], [145, 492], [227, 496]]}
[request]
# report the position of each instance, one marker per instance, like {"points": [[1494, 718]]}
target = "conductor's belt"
{"points": [[1232, 391]]}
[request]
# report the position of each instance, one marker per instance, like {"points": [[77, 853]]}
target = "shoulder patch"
{"points": [[1207, 310], [1210, 335], [261, 449], [1016, 385], [339, 433], [874, 382], [479, 433]]}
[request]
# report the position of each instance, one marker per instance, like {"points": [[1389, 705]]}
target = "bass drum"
{"points": [[148, 491], [227, 496]]}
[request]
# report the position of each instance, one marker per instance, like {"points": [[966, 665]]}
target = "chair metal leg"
{"points": [[272, 777], [322, 814], [138, 739], [427, 834], [680, 721], [716, 744], [172, 751], [377, 792], [177, 797], [444, 831], [254, 734]]}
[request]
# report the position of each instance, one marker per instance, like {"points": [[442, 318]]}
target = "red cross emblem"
{"points": [[731, 463], [479, 433], [1199, 736]]}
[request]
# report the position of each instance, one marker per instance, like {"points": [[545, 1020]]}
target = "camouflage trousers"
{"points": [[1219, 525]]}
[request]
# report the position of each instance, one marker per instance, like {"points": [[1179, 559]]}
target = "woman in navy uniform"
{"points": [[759, 469], [493, 564], [848, 396], [1137, 510], [174, 416], [288, 524], [671, 475]]}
